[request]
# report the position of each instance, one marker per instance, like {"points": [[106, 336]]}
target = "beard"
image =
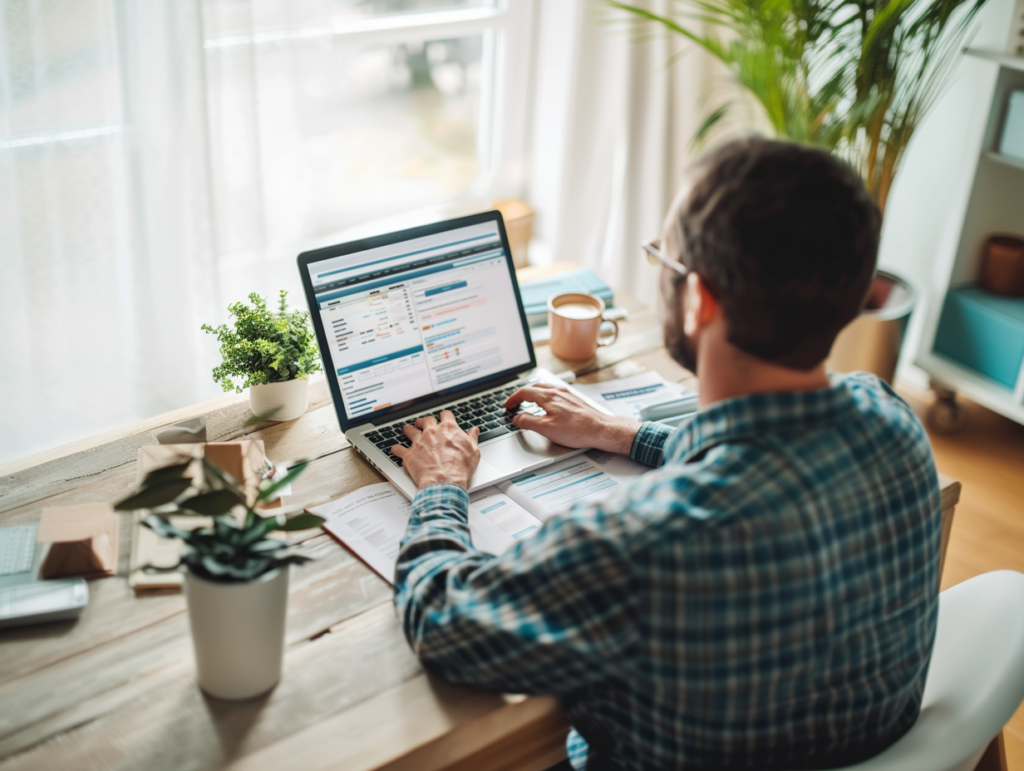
{"points": [[680, 347]]}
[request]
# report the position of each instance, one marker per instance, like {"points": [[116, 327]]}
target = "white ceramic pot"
{"points": [[238, 633], [286, 400]]}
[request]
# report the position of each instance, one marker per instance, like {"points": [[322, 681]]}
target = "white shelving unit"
{"points": [[995, 204]]}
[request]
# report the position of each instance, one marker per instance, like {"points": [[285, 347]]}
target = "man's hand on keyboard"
{"points": [[570, 421], [440, 451]]}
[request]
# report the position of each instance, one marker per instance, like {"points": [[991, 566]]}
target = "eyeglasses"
{"points": [[654, 256]]}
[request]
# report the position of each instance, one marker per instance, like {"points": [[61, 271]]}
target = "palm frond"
{"points": [[854, 77]]}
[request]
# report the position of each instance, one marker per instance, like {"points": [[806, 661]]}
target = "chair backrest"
{"points": [[975, 680]]}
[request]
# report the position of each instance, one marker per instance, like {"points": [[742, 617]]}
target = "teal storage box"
{"points": [[984, 332]]}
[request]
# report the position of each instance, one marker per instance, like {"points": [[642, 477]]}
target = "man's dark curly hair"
{"points": [[785, 237]]}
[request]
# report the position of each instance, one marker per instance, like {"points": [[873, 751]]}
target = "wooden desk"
{"points": [[115, 690]]}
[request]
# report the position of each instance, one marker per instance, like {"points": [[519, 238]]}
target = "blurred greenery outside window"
{"points": [[362, 113], [320, 115]]}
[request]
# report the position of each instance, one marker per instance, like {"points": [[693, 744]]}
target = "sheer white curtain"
{"points": [[105, 236], [162, 159], [615, 115]]}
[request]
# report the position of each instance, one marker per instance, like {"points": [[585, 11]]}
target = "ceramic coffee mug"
{"points": [[575, 320]]}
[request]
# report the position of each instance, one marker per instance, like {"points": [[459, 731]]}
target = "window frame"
{"points": [[504, 112]]}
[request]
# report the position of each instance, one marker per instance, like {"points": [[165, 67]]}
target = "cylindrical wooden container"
{"points": [[1002, 265]]}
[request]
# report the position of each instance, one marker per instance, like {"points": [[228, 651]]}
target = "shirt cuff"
{"points": [[649, 443], [443, 500]]}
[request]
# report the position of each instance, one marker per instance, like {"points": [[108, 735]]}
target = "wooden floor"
{"points": [[988, 530]]}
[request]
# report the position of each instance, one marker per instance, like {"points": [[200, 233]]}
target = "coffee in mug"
{"points": [[578, 311], [575, 319]]}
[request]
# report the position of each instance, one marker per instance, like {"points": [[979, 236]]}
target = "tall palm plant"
{"points": [[852, 76]]}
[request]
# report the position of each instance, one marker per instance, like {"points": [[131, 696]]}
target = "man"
{"points": [[766, 597]]}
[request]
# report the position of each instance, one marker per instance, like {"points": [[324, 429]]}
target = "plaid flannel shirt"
{"points": [[766, 598]]}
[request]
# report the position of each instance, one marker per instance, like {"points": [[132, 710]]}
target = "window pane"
{"points": [[60, 72], [312, 17], [313, 135], [364, 8]]}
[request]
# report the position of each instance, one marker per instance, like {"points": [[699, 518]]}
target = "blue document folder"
{"points": [[536, 293]]}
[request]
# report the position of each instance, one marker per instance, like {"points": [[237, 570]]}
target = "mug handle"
{"points": [[602, 341]]}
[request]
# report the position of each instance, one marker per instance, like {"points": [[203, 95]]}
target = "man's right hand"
{"points": [[572, 422]]}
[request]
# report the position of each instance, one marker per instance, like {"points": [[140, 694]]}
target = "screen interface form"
{"points": [[408, 319]]}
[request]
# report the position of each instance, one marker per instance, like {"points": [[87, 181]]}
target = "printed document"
{"points": [[372, 520], [627, 396]]}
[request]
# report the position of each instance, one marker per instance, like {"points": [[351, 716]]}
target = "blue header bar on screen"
{"points": [[380, 360], [445, 288], [406, 254], [398, 278]]}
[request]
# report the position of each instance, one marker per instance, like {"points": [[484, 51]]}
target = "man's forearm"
{"points": [[616, 435], [437, 536]]}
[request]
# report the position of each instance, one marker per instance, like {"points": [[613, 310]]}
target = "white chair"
{"points": [[975, 681]]}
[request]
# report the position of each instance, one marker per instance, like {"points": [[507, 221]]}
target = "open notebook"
{"points": [[372, 520]]}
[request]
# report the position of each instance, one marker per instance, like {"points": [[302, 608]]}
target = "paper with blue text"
{"points": [[372, 520]]}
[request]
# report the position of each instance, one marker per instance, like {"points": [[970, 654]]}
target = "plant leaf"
{"points": [[165, 529], [262, 417], [217, 502], [218, 474], [149, 497], [167, 472], [291, 559], [301, 522], [226, 530], [214, 567], [267, 493], [709, 123], [258, 531], [268, 545]]}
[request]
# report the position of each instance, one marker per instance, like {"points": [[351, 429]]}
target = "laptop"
{"points": [[24, 597], [421, 320]]}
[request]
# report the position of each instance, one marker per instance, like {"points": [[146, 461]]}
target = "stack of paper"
{"points": [[639, 397], [372, 520]]}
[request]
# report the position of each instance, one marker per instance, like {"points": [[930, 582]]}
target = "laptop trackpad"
{"points": [[522, 449]]}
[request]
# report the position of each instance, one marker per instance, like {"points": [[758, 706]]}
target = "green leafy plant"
{"points": [[852, 76], [264, 346], [228, 550]]}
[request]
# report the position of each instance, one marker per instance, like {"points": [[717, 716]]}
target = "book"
{"points": [[372, 520], [535, 294]]}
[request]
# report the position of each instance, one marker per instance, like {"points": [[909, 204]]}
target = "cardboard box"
{"points": [[83, 541]]}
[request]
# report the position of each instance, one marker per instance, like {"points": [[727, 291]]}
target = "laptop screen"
{"points": [[418, 316]]}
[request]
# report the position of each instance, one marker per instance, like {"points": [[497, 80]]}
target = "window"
{"points": [[160, 160], [325, 116]]}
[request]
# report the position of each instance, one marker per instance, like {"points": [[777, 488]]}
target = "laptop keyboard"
{"points": [[486, 411]]}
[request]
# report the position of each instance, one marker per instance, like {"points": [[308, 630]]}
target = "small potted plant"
{"points": [[270, 353], [236, 575]]}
